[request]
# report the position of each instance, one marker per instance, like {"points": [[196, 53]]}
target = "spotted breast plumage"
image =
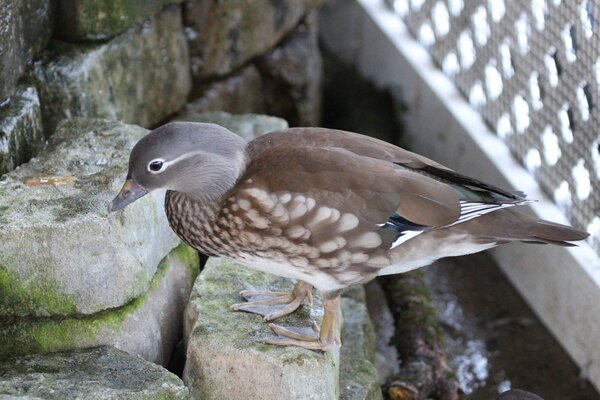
{"points": [[326, 207]]}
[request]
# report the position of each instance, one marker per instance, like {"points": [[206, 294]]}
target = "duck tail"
{"points": [[510, 225]]}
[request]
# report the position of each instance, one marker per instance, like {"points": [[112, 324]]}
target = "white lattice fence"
{"points": [[532, 68]]}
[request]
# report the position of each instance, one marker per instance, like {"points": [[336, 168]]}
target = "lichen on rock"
{"points": [[99, 373], [139, 77], [148, 326], [56, 227]]}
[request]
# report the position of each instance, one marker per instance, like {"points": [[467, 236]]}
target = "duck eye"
{"points": [[155, 166]]}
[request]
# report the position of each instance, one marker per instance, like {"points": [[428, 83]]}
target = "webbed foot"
{"points": [[272, 305]]}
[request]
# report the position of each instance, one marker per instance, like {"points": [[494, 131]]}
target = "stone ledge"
{"points": [[102, 373], [52, 233], [149, 326], [224, 357]]}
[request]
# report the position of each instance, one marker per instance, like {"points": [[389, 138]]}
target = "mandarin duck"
{"points": [[325, 207]]}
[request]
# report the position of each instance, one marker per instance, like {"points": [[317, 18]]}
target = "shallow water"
{"points": [[495, 342]]}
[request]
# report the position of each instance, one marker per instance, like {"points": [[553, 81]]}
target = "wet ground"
{"points": [[495, 342]]}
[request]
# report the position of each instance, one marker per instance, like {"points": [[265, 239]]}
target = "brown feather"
{"points": [[381, 186]]}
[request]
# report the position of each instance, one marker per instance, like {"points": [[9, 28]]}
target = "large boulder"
{"points": [[25, 29], [21, 129], [85, 20], [148, 326], [102, 373], [225, 358], [224, 35], [60, 253], [139, 77]]}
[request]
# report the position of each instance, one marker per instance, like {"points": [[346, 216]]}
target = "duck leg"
{"points": [[273, 305], [318, 339]]}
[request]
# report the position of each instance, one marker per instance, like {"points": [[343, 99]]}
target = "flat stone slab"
{"points": [[148, 326], [21, 129], [224, 356], [224, 35], [102, 373], [60, 253], [25, 29], [85, 20], [97, 80]]}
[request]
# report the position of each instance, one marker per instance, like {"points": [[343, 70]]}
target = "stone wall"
{"points": [[80, 82], [145, 61]]}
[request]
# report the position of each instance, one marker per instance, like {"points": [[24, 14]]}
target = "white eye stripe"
{"points": [[166, 164]]}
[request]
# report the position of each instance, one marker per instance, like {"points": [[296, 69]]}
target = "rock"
{"points": [[21, 130], [224, 35], [358, 376], [52, 233], [239, 93], [25, 29], [148, 326], [292, 75], [224, 356], [81, 20], [386, 354], [248, 126], [138, 77], [101, 373]]}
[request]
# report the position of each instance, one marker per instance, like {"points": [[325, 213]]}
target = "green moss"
{"points": [[18, 298], [102, 19], [187, 256], [37, 335], [418, 317]]}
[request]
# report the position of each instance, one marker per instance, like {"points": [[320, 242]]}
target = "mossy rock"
{"points": [[60, 253], [90, 20], [225, 356], [139, 77], [102, 373], [148, 326]]}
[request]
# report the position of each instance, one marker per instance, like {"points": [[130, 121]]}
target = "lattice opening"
{"points": [[532, 68]]}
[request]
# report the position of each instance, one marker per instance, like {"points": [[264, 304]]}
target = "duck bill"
{"points": [[130, 192]]}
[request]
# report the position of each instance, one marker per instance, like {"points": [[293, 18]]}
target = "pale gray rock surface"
{"points": [[102, 373], [21, 128], [77, 80], [148, 326], [25, 29], [225, 358], [60, 252]]}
